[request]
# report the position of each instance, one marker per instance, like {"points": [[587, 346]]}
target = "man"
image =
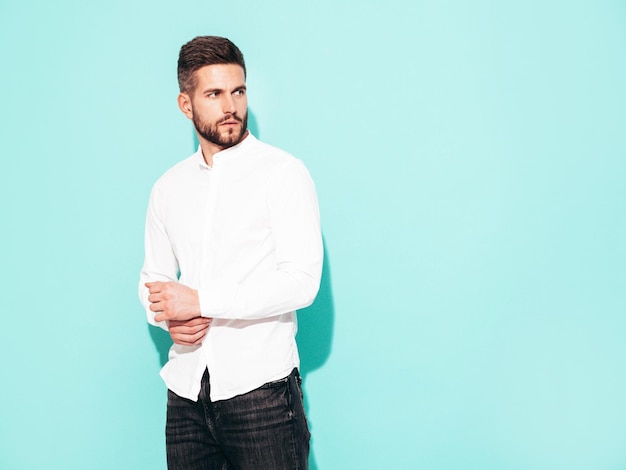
{"points": [[233, 248]]}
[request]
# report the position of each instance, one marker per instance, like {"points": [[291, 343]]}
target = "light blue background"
{"points": [[469, 159]]}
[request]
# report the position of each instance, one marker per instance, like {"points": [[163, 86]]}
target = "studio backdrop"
{"points": [[469, 158]]}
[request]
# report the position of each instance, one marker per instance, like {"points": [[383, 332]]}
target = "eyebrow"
{"points": [[221, 90]]}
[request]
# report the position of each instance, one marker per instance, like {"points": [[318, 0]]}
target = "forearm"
{"points": [[263, 295]]}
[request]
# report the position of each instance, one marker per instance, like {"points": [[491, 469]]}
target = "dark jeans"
{"points": [[264, 429]]}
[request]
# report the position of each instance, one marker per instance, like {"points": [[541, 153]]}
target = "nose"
{"points": [[228, 104]]}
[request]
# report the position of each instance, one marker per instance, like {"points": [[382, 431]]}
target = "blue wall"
{"points": [[470, 164]]}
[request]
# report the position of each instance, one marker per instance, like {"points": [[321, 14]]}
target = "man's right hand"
{"points": [[189, 332]]}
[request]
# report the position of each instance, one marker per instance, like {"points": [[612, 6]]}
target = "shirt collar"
{"points": [[230, 152]]}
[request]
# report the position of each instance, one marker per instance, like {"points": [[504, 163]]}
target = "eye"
{"points": [[239, 92], [213, 94]]}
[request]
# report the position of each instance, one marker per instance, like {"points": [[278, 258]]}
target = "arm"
{"points": [[292, 280], [160, 263]]}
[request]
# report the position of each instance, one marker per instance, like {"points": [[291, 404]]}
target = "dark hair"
{"points": [[202, 51]]}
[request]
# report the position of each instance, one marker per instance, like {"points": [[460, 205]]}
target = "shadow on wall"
{"points": [[315, 339], [162, 342], [315, 325]]}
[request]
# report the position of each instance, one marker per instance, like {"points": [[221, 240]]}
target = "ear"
{"points": [[184, 103]]}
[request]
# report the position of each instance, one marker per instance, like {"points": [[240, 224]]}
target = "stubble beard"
{"points": [[210, 131]]}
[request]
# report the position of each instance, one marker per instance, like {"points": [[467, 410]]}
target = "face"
{"points": [[218, 106]]}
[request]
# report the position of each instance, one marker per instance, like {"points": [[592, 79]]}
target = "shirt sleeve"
{"points": [[160, 263], [292, 282]]}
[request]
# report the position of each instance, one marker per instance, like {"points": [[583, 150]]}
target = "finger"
{"points": [[187, 329], [188, 340], [200, 328], [183, 334], [182, 342], [195, 321], [161, 316], [154, 287], [170, 311], [185, 343]]}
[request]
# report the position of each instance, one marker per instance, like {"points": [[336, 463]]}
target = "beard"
{"points": [[210, 130]]}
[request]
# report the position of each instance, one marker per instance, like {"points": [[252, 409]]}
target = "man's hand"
{"points": [[189, 332], [173, 301]]}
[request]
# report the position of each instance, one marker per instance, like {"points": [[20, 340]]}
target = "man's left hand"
{"points": [[173, 301]]}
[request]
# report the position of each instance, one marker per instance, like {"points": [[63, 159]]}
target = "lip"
{"points": [[230, 123]]}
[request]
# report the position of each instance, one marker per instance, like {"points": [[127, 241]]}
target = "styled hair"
{"points": [[202, 51]]}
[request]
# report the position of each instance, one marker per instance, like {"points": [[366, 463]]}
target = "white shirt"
{"points": [[246, 234]]}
